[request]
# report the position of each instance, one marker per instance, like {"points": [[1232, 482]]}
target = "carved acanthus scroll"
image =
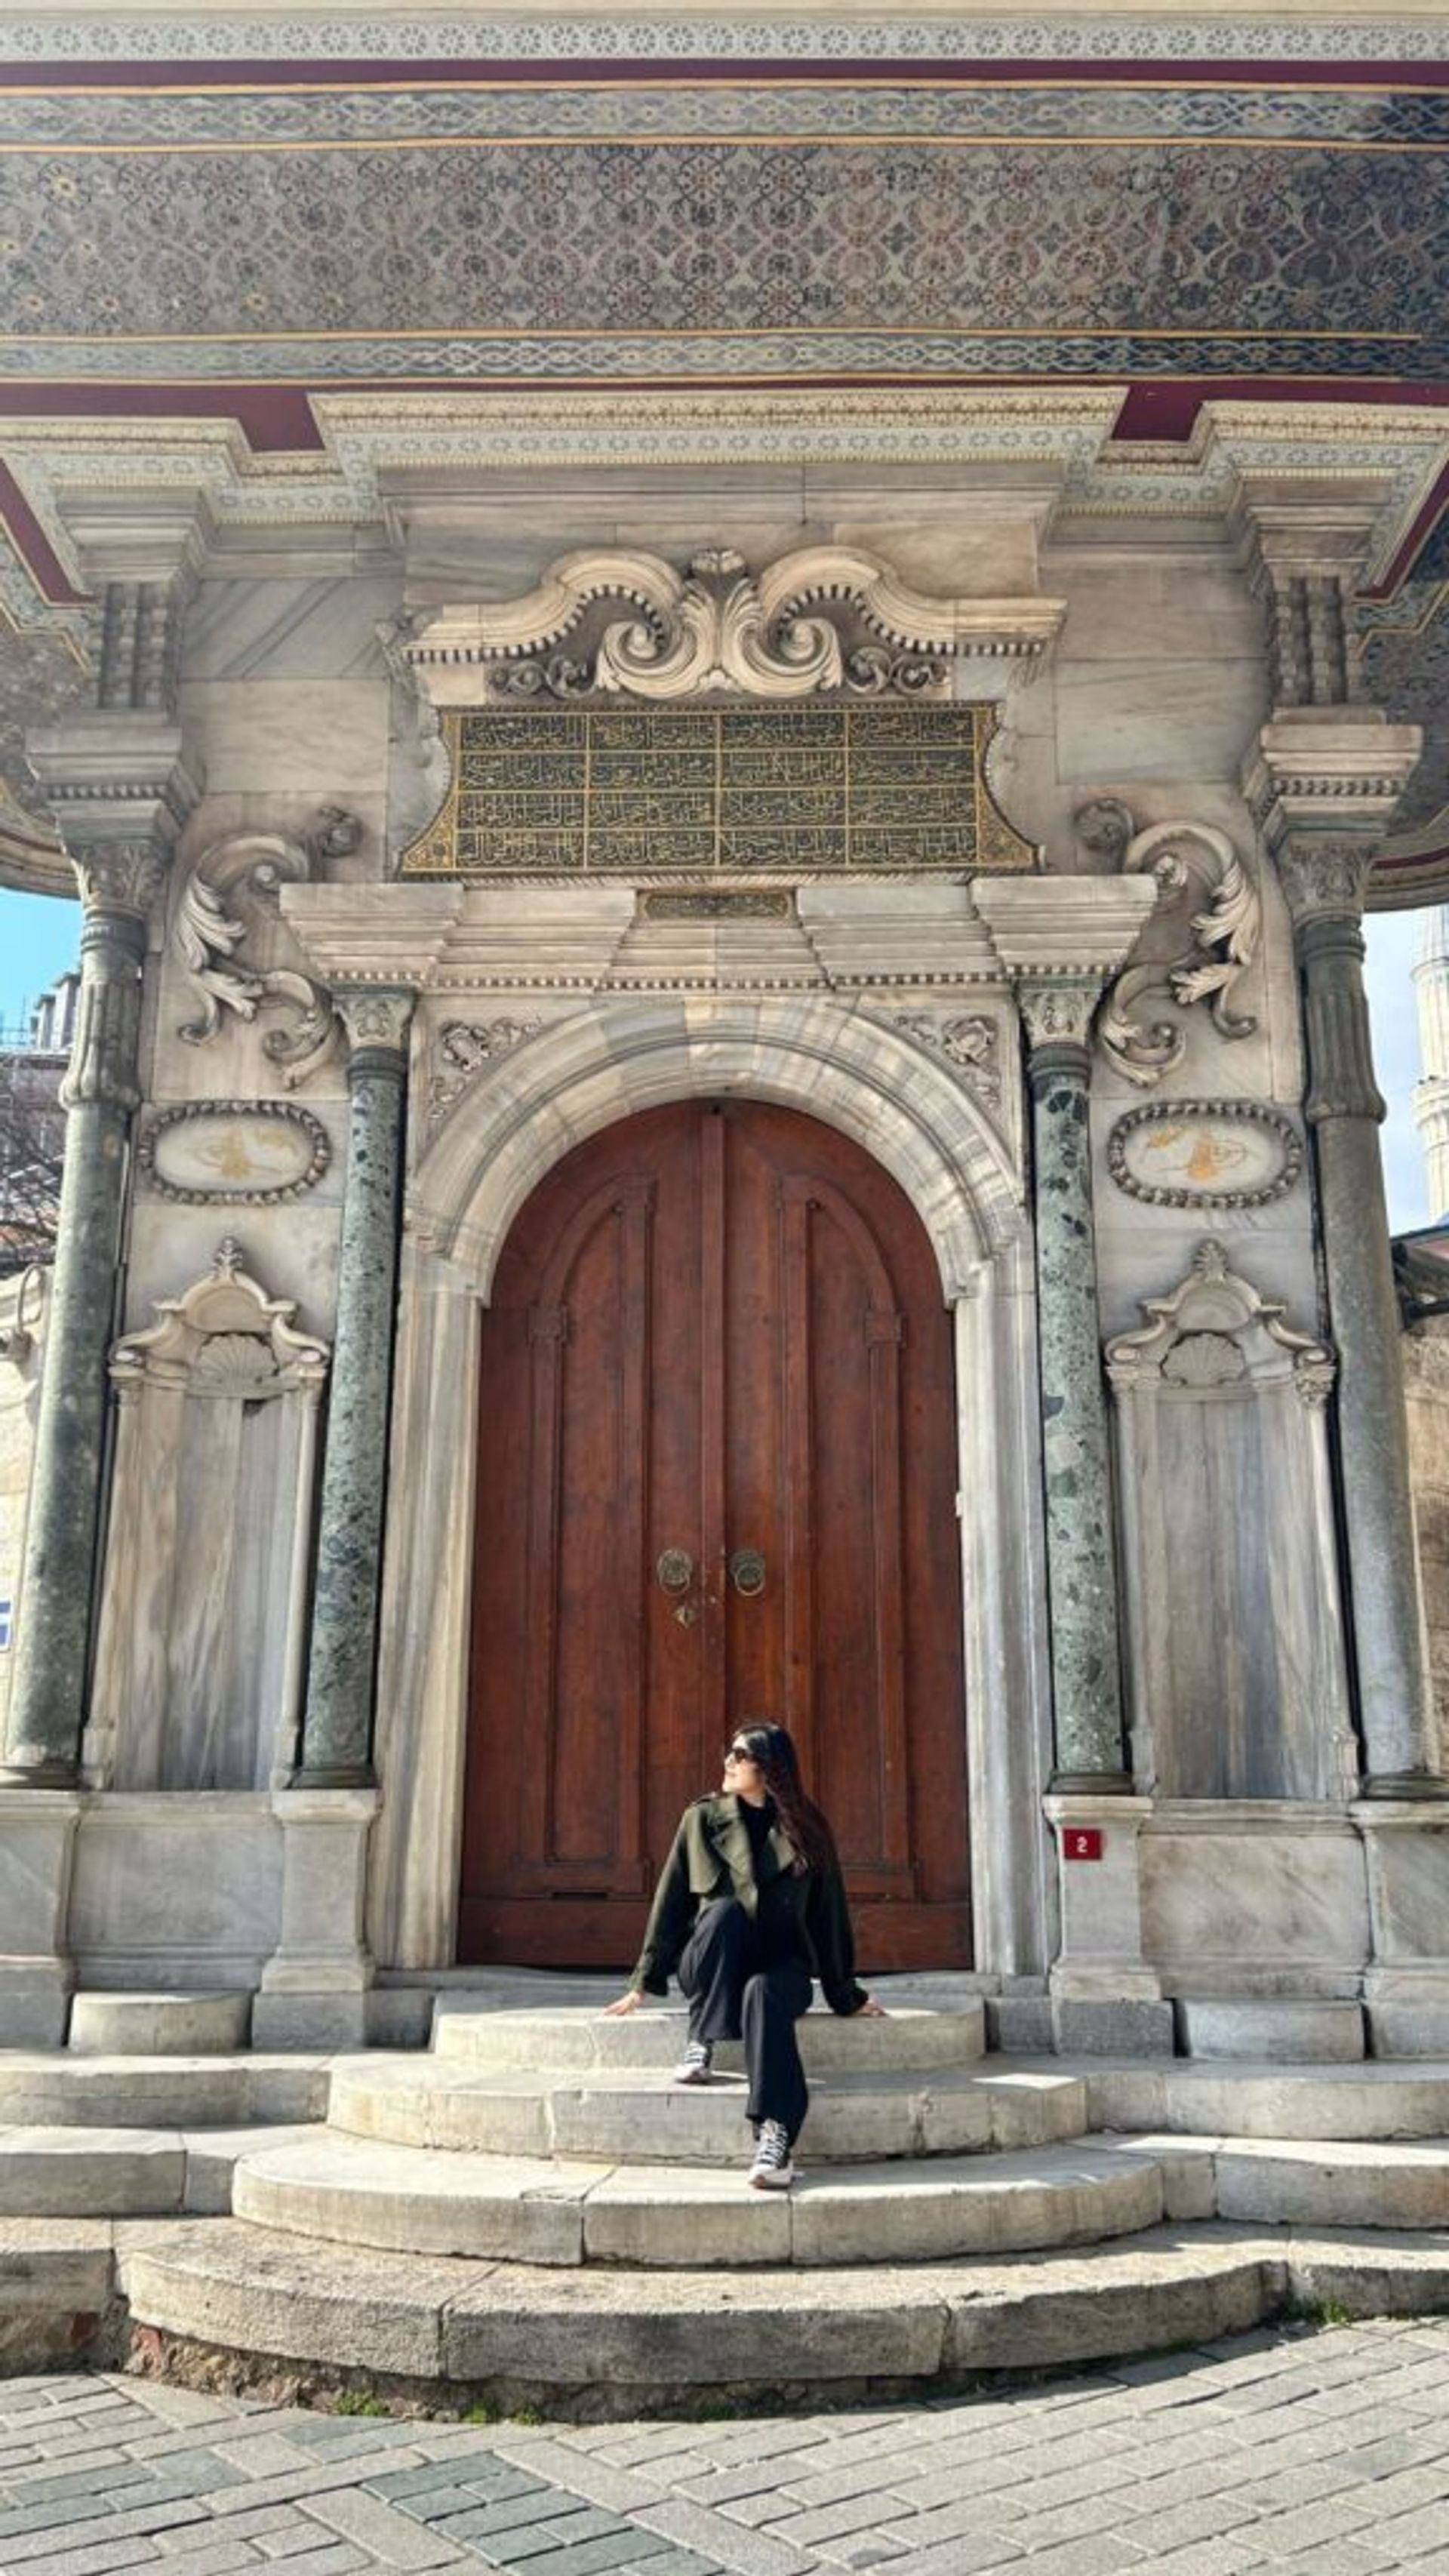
{"points": [[1196, 862], [211, 926], [828, 617]]}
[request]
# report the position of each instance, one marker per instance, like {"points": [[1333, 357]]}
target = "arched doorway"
{"points": [[716, 1478]]}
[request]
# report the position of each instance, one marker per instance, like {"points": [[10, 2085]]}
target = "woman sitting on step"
{"points": [[750, 1906]]}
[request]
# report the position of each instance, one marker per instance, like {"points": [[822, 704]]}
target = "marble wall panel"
{"points": [[1254, 1906], [20, 1369], [175, 1890], [1409, 1874], [1426, 1391], [327, 738], [297, 630], [1124, 606], [1139, 717], [293, 1248]]}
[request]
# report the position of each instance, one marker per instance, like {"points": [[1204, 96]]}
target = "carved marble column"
{"points": [[337, 1728], [119, 878], [1325, 877], [1081, 1565]]}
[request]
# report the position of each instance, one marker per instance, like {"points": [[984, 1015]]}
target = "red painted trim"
{"points": [[277, 418], [1420, 531], [394, 74], [281, 416]]}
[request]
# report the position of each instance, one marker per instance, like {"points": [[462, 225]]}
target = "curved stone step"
{"points": [[126, 2172], [641, 2116], [1402, 2100], [49, 2089], [1334, 2183], [429, 2201], [607, 2341], [900, 2042]]}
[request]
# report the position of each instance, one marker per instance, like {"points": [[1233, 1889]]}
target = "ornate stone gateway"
{"points": [[718, 1478]]}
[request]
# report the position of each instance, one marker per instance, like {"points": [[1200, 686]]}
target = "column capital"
{"points": [[376, 1016], [1058, 1011], [120, 787], [120, 876], [1339, 771], [1325, 875]]}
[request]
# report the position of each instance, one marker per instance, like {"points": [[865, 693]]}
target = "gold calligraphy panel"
{"points": [[669, 791]]}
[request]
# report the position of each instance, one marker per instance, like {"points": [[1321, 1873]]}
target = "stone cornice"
{"points": [[1341, 771], [76, 476], [1063, 928]]}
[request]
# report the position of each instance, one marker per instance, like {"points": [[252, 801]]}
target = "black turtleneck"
{"points": [[777, 1926]]}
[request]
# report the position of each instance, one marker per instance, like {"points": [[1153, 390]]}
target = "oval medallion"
{"points": [[1205, 1154], [239, 1153]]}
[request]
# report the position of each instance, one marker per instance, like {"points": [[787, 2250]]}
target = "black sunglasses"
{"points": [[741, 1753]]}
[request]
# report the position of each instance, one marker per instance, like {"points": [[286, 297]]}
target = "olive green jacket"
{"points": [[710, 1857]]}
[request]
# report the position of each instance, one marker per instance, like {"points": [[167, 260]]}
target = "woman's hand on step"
{"points": [[623, 2004]]}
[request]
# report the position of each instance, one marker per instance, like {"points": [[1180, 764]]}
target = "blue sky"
{"points": [[38, 936]]}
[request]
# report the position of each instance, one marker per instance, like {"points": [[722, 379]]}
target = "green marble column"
{"points": [[52, 1642], [1081, 1559], [337, 1727], [1325, 878]]}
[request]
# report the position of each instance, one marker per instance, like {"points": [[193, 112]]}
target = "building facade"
{"points": [[722, 1069]]}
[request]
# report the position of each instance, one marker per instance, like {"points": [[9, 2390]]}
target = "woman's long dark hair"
{"points": [[804, 1825]]}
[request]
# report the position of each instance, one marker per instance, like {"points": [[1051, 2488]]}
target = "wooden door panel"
{"points": [[714, 1328]]}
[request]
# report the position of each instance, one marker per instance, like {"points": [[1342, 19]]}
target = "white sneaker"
{"points": [[772, 2169], [696, 2066]]}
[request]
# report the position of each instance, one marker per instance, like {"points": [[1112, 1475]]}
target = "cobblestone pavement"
{"points": [[1323, 2452]]}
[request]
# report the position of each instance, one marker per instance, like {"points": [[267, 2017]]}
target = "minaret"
{"points": [[1431, 1093]]}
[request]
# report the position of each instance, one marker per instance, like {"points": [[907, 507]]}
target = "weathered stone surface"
{"points": [[899, 2041], [1364, 2102], [1118, 2028], [642, 2117], [255, 2293], [1055, 2310], [56, 2089], [113, 2173], [399, 2198], [1332, 2184], [763, 2329], [403, 2199], [198, 2025], [1284, 2033]]}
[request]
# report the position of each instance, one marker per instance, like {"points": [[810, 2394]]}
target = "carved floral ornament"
{"points": [[827, 617], [1196, 865], [464, 1049], [968, 1039], [1215, 1336], [214, 921]]}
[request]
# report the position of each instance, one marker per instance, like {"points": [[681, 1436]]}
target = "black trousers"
{"points": [[732, 1995]]}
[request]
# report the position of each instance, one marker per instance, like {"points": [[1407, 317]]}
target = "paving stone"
{"points": [[393, 2537], [744, 2553], [209, 2557], [97, 2558], [963, 2556]]}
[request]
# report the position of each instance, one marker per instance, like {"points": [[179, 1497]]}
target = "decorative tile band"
{"points": [[574, 358], [328, 36], [342, 116]]}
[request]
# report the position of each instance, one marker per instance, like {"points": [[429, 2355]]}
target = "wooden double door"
{"points": [[716, 1481]]}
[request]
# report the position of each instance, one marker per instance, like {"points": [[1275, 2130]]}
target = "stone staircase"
{"points": [[531, 2210]]}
